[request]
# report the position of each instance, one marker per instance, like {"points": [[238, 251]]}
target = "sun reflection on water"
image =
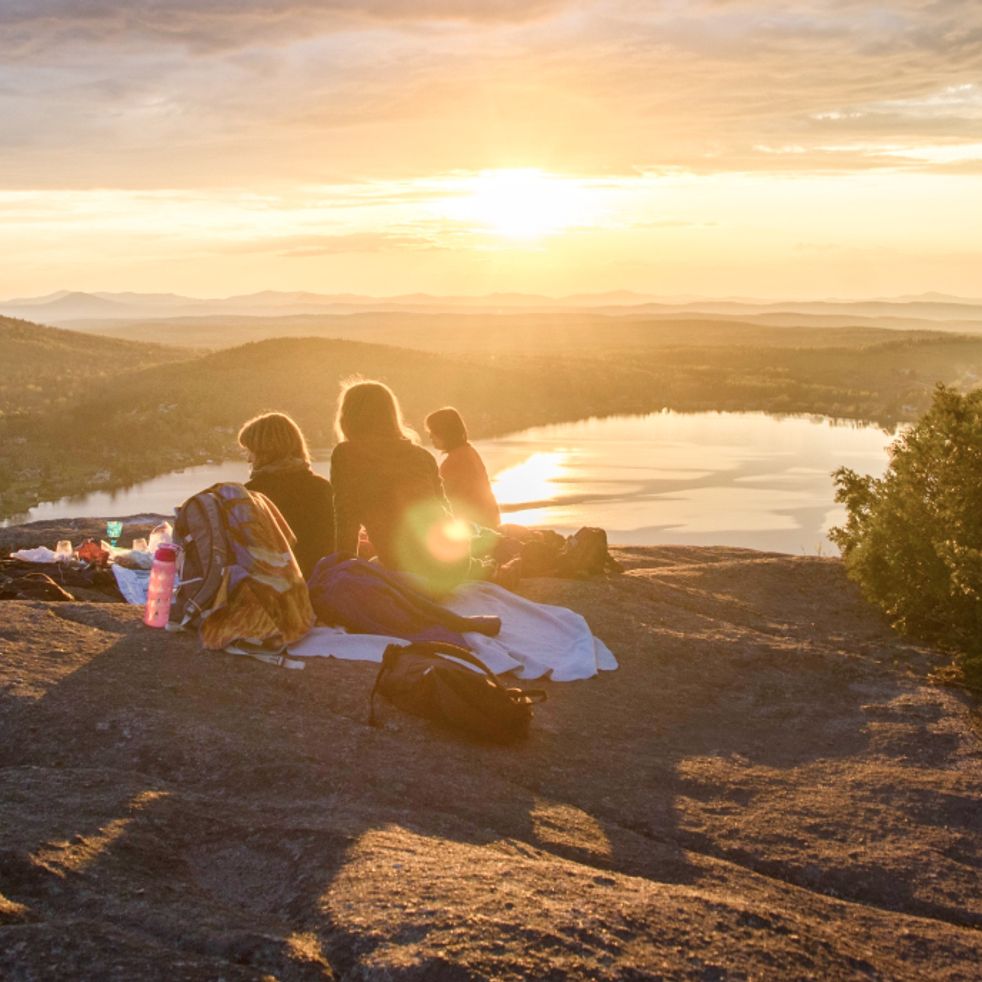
{"points": [[742, 479], [533, 481]]}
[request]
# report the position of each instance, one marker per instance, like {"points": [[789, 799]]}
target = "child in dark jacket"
{"points": [[465, 478], [281, 471]]}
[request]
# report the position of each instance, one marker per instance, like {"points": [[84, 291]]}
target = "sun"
{"points": [[522, 203]]}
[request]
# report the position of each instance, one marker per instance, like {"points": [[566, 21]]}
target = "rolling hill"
{"points": [[135, 414], [166, 416], [503, 334], [46, 367]]}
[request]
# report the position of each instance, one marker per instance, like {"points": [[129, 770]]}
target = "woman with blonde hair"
{"points": [[388, 484], [281, 471]]}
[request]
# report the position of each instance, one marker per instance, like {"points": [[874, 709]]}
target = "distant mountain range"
{"points": [[68, 308], [64, 306]]}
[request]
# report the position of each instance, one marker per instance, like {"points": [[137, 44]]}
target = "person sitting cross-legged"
{"points": [[281, 471]]}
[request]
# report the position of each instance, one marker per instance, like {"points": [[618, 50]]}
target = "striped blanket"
{"points": [[262, 603]]}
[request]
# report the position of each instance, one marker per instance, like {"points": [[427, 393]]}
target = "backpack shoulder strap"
{"points": [[447, 649]]}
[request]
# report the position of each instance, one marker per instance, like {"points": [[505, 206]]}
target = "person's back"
{"points": [[378, 483], [465, 480], [306, 501], [281, 471], [387, 483]]}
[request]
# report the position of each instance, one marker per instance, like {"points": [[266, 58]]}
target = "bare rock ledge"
{"points": [[767, 788]]}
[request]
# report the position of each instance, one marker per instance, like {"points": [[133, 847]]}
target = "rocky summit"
{"points": [[768, 787]]}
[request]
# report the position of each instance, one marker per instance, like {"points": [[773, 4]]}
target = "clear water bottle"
{"points": [[161, 535], [161, 589]]}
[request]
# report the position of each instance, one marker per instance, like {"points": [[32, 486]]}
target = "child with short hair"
{"points": [[281, 471], [465, 478]]}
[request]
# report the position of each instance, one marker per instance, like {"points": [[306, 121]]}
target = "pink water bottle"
{"points": [[161, 589]]}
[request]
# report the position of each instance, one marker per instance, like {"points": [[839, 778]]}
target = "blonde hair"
{"points": [[270, 437], [367, 409]]}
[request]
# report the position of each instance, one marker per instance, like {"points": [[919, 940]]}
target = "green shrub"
{"points": [[913, 538]]}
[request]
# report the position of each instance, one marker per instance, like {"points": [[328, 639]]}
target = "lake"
{"points": [[741, 479]]}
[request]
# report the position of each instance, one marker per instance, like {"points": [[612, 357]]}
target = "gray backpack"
{"points": [[201, 534]]}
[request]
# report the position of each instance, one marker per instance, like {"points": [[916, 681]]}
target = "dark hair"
{"points": [[369, 409], [448, 425]]}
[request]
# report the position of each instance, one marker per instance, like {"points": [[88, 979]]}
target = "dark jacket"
{"points": [[306, 501], [392, 487], [366, 598]]}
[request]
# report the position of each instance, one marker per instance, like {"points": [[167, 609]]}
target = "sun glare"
{"points": [[521, 203], [534, 480]]}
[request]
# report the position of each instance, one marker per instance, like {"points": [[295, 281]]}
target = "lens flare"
{"points": [[449, 541]]}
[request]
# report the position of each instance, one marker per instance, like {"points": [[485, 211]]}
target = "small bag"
{"points": [[427, 679], [585, 554]]}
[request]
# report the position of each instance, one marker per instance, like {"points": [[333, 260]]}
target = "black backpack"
{"points": [[427, 679]]}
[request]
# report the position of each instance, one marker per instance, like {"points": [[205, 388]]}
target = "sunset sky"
{"points": [[710, 147]]}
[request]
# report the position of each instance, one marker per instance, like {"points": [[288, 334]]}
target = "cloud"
{"points": [[30, 26], [104, 93], [305, 246]]}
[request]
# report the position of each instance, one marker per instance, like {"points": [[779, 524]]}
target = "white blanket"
{"points": [[535, 640]]}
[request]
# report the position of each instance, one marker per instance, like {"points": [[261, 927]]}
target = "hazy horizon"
{"points": [[623, 293]]}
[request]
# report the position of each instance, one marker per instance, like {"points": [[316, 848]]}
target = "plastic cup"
{"points": [[113, 531]]}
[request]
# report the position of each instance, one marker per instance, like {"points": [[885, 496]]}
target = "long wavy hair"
{"points": [[370, 410]]}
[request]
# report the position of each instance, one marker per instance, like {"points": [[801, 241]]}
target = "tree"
{"points": [[913, 538]]}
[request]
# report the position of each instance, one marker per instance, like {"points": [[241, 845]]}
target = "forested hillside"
{"points": [[46, 367], [105, 422], [504, 332]]}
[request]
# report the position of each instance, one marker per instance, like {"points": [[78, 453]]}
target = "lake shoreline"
{"points": [[16, 501], [751, 480]]}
